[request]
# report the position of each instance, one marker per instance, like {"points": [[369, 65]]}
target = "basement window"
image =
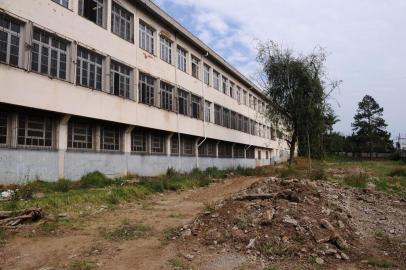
{"points": [[3, 127], [80, 136], [49, 55], [157, 144], [92, 10], [120, 78], [139, 141], [188, 146], [110, 138], [9, 41], [34, 130]]}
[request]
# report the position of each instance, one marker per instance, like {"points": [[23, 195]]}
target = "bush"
{"points": [[24, 192], [357, 181], [62, 185], [94, 180]]}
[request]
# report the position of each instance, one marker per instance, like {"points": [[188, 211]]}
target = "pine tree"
{"points": [[370, 127]]}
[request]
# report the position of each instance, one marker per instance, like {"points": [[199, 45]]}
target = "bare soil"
{"points": [[302, 225]]}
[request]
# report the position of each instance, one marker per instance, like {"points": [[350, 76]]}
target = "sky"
{"points": [[365, 41]]}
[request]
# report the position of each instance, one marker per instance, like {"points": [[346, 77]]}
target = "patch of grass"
{"points": [[81, 265], [318, 173], [179, 263], [287, 172], [94, 180], [170, 233], [275, 249], [48, 227], [400, 171], [243, 221], [356, 180], [380, 263], [127, 232]]}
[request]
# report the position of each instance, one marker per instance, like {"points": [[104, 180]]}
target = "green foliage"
{"points": [[380, 263], [81, 265], [356, 180], [400, 171], [287, 172], [94, 180]]}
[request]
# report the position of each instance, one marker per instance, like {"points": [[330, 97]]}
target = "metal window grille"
{"points": [[157, 144], [188, 146], [34, 130], [9, 41], [182, 59], [89, 69], [139, 142], [147, 89], [120, 80], [175, 145], [92, 10], [166, 96], [110, 138], [49, 54], [3, 127], [166, 49], [80, 135], [146, 38], [122, 22]]}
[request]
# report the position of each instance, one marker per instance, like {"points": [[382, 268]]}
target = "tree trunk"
{"points": [[292, 147]]}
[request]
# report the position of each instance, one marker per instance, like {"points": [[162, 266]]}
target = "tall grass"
{"points": [[356, 180]]}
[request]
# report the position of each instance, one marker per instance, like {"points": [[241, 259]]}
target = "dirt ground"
{"points": [[219, 227]]}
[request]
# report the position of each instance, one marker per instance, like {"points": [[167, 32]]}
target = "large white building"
{"points": [[120, 87]]}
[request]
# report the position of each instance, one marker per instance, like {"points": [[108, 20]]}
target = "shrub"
{"points": [[24, 192], [62, 185], [94, 180], [356, 180]]}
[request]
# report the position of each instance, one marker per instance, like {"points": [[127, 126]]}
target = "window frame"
{"points": [[195, 110], [182, 55], [142, 137], [89, 62], [166, 96], [146, 37], [12, 33], [165, 45], [60, 2], [47, 130], [146, 95], [206, 74], [184, 96], [117, 135], [128, 22], [159, 139], [195, 67], [81, 6], [207, 111], [122, 75], [82, 145], [4, 128], [216, 80]]}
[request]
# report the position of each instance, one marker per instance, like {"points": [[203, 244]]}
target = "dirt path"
{"points": [[159, 212]]}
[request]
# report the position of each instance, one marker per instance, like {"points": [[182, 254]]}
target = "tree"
{"points": [[296, 91], [370, 127]]}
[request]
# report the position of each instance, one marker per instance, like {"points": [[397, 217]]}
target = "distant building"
{"points": [[120, 87]]}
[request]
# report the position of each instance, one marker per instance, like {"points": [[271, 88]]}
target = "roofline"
{"points": [[177, 27]]}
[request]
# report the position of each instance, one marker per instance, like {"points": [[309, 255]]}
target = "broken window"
{"points": [[147, 89], [195, 67], [196, 104], [34, 130], [9, 40], [139, 141], [92, 10], [182, 59], [49, 54], [89, 69], [3, 127], [120, 78], [183, 102], [122, 22], [80, 135], [64, 3], [166, 50], [166, 96], [110, 138], [157, 143], [146, 38]]}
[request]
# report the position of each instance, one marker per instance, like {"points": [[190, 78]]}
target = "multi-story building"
{"points": [[120, 87]]}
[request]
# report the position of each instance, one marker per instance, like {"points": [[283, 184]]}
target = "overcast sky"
{"points": [[366, 40]]}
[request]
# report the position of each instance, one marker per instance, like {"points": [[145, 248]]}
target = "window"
{"points": [[225, 150], [110, 138], [206, 74], [122, 22], [9, 41], [120, 80], [240, 125], [182, 102], [146, 38], [231, 92], [188, 146], [238, 95], [175, 145], [166, 50], [267, 154], [246, 128], [64, 3], [216, 80], [147, 88], [207, 111], [196, 104], [182, 59], [255, 103], [244, 97], [252, 127], [89, 69], [239, 151], [195, 67], [80, 135], [92, 10], [225, 83], [34, 130], [250, 153], [139, 141], [3, 127], [49, 55], [207, 149], [166, 96], [259, 154], [226, 118], [233, 120], [250, 101], [157, 144], [217, 114]]}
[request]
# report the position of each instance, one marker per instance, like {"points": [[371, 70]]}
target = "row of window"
{"points": [[122, 24], [38, 131]]}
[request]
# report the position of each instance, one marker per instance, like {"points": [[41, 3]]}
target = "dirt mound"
{"points": [[280, 221]]}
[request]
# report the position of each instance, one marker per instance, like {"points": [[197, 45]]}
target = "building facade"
{"points": [[120, 87]]}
